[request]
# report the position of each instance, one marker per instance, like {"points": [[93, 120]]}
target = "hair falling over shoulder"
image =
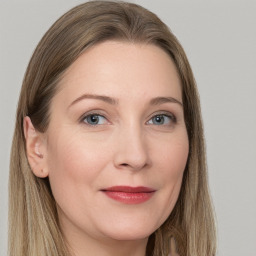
{"points": [[33, 220]]}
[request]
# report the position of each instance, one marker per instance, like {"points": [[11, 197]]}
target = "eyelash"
{"points": [[170, 116], [91, 115]]}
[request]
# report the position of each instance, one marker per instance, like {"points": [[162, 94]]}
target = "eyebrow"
{"points": [[162, 100], [113, 101], [104, 98]]}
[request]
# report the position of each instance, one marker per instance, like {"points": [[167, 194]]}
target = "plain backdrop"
{"points": [[219, 38]]}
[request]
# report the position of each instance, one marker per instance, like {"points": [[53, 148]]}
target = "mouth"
{"points": [[129, 195]]}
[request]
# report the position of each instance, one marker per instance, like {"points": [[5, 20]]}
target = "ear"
{"points": [[36, 149]]}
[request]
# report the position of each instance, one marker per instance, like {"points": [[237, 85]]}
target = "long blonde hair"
{"points": [[33, 221]]}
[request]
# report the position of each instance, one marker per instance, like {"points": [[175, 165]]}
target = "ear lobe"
{"points": [[36, 149]]}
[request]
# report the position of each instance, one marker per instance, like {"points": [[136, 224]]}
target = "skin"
{"points": [[127, 147]]}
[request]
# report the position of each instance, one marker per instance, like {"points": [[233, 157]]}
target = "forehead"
{"points": [[119, 68]]}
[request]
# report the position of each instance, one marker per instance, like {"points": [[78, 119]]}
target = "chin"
{"points": [[129, 237], [128, 233]]}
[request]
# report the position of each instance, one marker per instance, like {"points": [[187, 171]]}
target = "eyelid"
{"points": [[92, 112], [164, 113], [99, 112]]}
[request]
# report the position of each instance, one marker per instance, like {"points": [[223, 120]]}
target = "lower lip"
{"points": [[129, 198]]}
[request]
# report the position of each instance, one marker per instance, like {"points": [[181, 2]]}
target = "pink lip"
{"points": [[129, 195]]}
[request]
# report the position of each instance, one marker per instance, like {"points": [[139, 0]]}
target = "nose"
{"points": [[131, 151]]}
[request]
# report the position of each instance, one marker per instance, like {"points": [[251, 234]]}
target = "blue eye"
{"points": [[161, 119], [94, 119]]}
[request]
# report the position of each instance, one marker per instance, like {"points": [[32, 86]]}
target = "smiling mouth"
{"points": [[129, 195]]}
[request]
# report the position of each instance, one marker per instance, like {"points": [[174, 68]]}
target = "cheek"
{"points": [[176, 163], [173, 155], [172, 162], [73, 164]]}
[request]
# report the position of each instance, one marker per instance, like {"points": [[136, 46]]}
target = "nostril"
{"points": [[124, 164]]}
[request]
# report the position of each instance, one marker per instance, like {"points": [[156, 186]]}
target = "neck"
{"points": [[81, 242], [106, 247]]}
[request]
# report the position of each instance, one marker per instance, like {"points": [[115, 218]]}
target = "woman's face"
{"points": [[117, 143]]}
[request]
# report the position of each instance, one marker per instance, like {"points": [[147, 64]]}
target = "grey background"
{"points": [[220, 40]]}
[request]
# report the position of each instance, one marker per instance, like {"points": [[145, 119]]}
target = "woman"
{"points": [[108, 152]]}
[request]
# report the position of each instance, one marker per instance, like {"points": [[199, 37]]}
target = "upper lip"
{"points": [[129, 189]]}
